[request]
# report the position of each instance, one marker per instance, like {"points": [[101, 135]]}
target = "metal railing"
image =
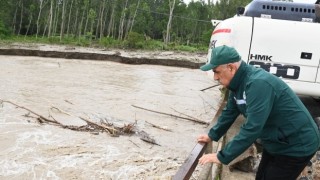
{"points": [[187, 168]]}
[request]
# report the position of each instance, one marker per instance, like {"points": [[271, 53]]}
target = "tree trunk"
{"points": [[99, 19], [102, 32], [126, 31], [62, 20], [102, 19], [91, 30], [14, 21], [56, 19], [80, 26], [68, 26], [111, 21], [134, 16], [171, 6], [38, 19], [86, 26], [75, 25], [21, 17], [30, 19], [122, 19], [44, 31], [50, 19], [194, 32]]}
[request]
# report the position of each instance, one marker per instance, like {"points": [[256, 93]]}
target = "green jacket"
{"points": [[273, 114]]}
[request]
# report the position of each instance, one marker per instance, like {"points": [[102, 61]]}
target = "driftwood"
{"points": [[145, 137], [134, 143], [186, 115], [106, 128], [68, 101], [40, 118], [156, 126], [210, 87], [91, 126], [172, 115], [114, 131]]}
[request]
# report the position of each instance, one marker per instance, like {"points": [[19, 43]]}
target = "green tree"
{"points": [[3, 30]]}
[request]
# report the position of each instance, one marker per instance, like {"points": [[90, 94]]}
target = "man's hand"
{"points": [[207, 158], [204, 138]]}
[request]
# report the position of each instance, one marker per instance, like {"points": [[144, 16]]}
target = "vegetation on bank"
{"points": [[132, 42], [140, 24]]}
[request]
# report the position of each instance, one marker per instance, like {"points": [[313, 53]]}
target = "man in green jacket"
{"points": [[274, 115]]}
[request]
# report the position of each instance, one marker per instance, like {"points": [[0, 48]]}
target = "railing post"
{"points": [[186, 170]]}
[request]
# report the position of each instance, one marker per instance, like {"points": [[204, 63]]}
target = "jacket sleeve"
{"points": [[260, 97], [228, 116]]}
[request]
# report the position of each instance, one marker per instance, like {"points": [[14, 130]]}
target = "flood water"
{"points": [[99, 90]]}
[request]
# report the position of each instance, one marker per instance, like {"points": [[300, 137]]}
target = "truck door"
{"points": [[287, 49]]}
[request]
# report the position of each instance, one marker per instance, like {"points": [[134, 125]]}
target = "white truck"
{"points": [[281, 37]]}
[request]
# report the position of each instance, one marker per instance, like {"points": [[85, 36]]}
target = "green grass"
{"points": [[108, 42]]}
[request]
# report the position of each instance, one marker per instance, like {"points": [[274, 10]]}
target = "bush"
{"points": [[154, 45], [83, 41], [186, 48], [68, 40], [135, 40], [205, 38], [109, 42], [4, 33]]}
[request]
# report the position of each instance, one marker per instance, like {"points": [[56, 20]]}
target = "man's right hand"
{"points": [[204, 138]]}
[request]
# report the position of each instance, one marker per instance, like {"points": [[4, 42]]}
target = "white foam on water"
{"points": [[39, 136], [52, 175], [110, 152], [24, 147]]}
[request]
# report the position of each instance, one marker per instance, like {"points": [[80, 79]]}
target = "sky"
{"points": [[306, 1]]}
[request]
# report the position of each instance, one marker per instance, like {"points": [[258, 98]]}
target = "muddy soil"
{"points": [[167, 58], [100, 90]]}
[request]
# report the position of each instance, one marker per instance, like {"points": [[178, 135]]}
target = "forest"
{"points": [[148, 24]]}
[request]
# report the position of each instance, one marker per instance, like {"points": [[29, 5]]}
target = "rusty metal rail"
{"points": [[191, 162], [186, 169]]}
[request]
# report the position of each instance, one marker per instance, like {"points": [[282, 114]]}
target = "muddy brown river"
{"points": [[98, 90]]}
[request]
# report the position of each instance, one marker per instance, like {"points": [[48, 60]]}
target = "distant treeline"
{"points": [[168, 21]]}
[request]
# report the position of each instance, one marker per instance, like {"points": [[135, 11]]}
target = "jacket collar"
{"points": [[238, 77]]}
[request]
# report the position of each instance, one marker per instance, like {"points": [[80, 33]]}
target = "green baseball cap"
{"points": [[221, 55]]}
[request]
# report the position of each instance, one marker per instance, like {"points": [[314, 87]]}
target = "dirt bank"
{"points": [[167, 58]]}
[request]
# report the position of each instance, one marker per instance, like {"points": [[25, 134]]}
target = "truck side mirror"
{"points": [[240, 11]]}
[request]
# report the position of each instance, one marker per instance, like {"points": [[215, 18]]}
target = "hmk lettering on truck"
{"points": [[260, 57]]}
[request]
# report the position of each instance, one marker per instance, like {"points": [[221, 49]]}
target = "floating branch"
{"points": [[134, 143], [194, 120], [145, 137], [40, 118], [210, 87], [68, 101], [186, 115], [110, 130], [156, 126], [90, 127]]}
